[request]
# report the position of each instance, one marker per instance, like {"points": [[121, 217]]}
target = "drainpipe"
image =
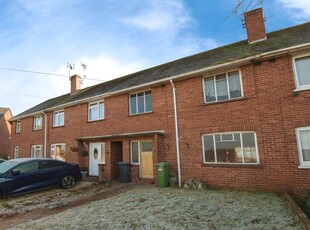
{"points": [[176, 131], [45, 132]]}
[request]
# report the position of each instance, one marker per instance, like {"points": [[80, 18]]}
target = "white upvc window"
{"points": [[59, 118], [16, 152], [135, 152], [96, 111], [36, 151], [222, 87], [140, 102], [230, 148], [18, 125], [303, 141], [37, 122], [58, 151], [302, 72]]}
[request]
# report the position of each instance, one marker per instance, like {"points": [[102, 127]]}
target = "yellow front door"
{"points": [[146, 160]]}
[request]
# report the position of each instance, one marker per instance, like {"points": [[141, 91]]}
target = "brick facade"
{"points": [[5, 132], [269, 108]]}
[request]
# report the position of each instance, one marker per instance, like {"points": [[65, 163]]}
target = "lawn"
{"points": [[149, 207]]}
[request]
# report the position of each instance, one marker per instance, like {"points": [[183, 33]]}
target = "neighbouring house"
{"points": [[5, 132], [237, 116]]}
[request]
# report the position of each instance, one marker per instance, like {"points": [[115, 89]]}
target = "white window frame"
{"points": [[54, 146], [230, 163], [97, 105], [18, 126], [302, 163], [35, 148], [227, 83], [144, 109], [135, 163], [16, 152], [56, 118], [35, 125], [299, 87]]}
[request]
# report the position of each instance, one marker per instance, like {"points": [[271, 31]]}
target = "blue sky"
{"points": [[114, 38]]}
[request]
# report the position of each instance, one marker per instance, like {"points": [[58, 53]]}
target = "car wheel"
{"points": [[68, 182]]}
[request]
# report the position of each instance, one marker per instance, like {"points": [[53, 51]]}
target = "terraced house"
{"points": [[236, 116]]}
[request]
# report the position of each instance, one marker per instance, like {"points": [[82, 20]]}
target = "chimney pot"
{"points": [[75, 83], [255, 25]]}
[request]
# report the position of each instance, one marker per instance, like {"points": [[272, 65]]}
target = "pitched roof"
{"points": [[3, 111], [277, 40]]}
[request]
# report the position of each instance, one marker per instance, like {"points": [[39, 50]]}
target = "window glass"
{"points": [[209, 148], [133, 104], [49, 164], [96, 111], [36, 151], [230, 148], [221, 87], [17, 128], [209, 89], [140, 102], [146, 146], [305, 145], [29, 166], [16, 152], [227, 86], [148, 101], [37, 123], [135, 152], [59, 118], [234, 84], [58, 151], [303, 70]]}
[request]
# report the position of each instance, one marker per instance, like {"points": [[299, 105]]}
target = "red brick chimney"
{"points": [[75, 83], [255, 26]]}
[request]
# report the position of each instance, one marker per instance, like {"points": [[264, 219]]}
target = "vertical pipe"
{"points": [[176, 132]]}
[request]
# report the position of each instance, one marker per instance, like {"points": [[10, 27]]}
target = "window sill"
{"points": [[140, 114], [300, 89], [225, 101], [134, 164], [223, 165], [60, 126], [91, 121], [304, 167], [36, 130]]}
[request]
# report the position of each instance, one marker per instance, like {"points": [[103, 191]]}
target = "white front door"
{"points": [[94, 158]]}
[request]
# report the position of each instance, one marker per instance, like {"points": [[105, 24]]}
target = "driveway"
{"points": [[149, 207]]}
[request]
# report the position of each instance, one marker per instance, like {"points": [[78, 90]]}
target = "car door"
{"points": [[27, 180], [50, 173]]}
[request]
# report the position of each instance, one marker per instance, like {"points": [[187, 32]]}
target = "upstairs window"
{"points": [[141, 102], [302, 72], [37, 123], [59, 118], [36, 151], [96, 111], [230, 148], [17, 128], [222, 87], [303, 140]]}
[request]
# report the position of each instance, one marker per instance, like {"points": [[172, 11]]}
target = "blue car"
{"points": [[25, 175]]}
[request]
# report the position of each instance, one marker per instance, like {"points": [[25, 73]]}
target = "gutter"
{"points": [[176, 131], [45, 132], [195, 72]]}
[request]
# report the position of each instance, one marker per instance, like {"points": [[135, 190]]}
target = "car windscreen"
{"points": [[7, 165]]}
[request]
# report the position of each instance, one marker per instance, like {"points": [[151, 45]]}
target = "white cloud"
{"points": [[300, 9], [159, 15]]}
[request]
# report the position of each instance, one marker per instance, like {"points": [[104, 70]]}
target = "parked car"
{"points": [[2, 160], [25, 175]]}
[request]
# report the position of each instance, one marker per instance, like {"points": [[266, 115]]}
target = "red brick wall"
{"points": [[5, 134], [268, 108]]}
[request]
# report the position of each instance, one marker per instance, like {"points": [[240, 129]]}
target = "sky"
{"points": [[114, 38]]}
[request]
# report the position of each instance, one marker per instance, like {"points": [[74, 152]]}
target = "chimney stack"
{"points": [[255, 25], [75, 83]]}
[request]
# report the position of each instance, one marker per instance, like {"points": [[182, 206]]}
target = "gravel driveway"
{"points": [[149, 207]]}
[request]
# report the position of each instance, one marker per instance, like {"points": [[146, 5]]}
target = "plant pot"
{"points": [[84, 174]]}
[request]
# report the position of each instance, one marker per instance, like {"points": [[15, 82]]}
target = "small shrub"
{"points": [[307, 202]]}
